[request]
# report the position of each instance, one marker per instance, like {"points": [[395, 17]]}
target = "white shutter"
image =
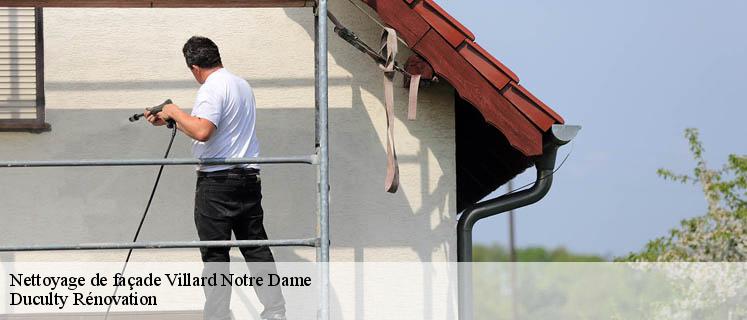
{"points": [[17, 63]]}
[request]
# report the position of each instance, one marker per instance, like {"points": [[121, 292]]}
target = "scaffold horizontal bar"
{"points": [[310, 242], [311, 159]]}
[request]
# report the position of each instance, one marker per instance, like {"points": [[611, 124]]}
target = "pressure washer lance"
{"points": [[172, 125], [153, 110]]}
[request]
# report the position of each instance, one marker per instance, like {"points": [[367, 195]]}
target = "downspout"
{"points": [[558, 136]]}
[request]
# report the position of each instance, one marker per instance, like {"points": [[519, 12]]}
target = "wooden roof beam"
{"points": [[159, 3]]}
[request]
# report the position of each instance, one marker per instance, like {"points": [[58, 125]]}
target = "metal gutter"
{"points": [[558, 136]]}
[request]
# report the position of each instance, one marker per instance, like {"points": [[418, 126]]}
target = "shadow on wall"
{"points": [[177, 84], [346, 152], [358, 230], [349, 143], [368, 217], [363, 216]]}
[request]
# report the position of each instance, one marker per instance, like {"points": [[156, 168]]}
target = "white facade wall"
{"points": [[102, 65]]}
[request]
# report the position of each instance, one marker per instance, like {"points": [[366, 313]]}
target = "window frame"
{"points": [[38, 124]]}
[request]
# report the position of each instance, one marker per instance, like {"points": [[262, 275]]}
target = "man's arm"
{"points": [[196, 128]]}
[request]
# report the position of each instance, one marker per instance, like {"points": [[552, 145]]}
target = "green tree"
{"points": [[497, 253], [721, 234]]}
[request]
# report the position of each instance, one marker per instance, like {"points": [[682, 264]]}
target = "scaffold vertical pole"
{"points": [[323, 152]]}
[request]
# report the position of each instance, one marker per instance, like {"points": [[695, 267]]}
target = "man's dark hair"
{"points": [[202, 52]]}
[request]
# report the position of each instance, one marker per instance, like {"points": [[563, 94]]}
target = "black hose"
{"points": [[145, 214]]}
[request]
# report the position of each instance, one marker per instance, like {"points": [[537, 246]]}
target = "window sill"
{"points": [[32, 126]]}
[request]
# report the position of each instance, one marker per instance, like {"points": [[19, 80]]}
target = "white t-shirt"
{"points": [[228, 102]]}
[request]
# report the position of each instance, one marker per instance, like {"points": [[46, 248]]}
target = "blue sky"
{"points": [[634, 74]]}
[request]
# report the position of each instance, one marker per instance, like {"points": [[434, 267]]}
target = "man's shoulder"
{"points": [[224, 75], [216, 82], [226, 78]]}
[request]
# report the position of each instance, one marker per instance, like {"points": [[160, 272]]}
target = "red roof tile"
{"points": [[528, 107], [477, 76], [492, 69], [446, 25], [538, 103]]}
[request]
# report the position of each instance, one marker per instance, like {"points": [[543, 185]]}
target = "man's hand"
{"points": [[162, 117], [196, 128], [154, 119]]}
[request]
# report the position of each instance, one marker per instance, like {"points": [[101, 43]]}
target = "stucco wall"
{"points": [[102, 65]]}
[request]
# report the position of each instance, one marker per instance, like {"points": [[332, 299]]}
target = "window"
{"points": [[21, 69]]}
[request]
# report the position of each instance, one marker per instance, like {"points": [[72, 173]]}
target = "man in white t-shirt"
{"points": [[227, 197]]}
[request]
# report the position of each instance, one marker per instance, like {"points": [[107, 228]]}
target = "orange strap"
{"points": [[412, 106], [388, 50]]}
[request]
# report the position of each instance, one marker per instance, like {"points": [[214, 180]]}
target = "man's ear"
{"points": [[195, 69], [195, 72]]}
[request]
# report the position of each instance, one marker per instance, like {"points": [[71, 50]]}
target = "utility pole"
{"points": [[512, 253], [511, 228]]}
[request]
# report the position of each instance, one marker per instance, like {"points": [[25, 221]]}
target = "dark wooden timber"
{"points": [[157, 3]]}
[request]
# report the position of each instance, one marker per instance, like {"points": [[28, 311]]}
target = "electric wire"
{"points": [[545, 177], [145, 214], [533, 182], [353, 39]]}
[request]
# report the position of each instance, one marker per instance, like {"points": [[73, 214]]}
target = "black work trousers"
{"points": [[230, 201]]}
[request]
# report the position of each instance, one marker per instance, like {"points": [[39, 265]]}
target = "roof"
{"points": [[477, 76]]}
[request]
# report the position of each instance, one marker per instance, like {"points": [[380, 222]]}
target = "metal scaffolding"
{"points": [[320, 159]]}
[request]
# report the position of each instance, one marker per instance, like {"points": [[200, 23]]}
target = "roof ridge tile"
{"points": [[492, 69], [539, 103], [449, 28], [451, 19]]}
